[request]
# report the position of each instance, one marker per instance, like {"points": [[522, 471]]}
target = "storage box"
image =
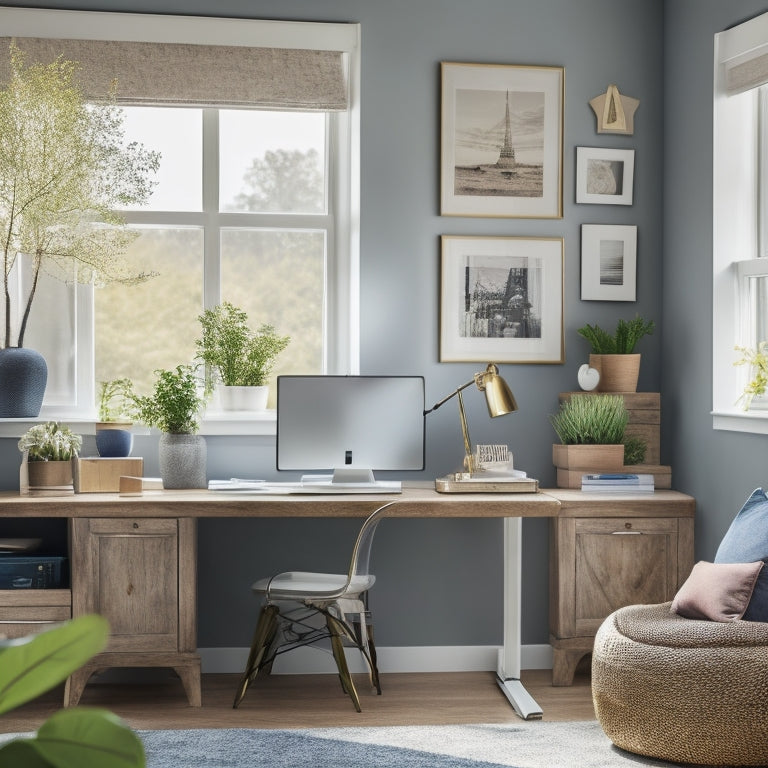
{"points": [[32, 572], [102, 474]]}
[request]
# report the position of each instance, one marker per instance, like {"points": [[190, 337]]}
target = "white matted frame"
{"points": [[608, 262], [501, 299], [604, 175], [501, 140]]}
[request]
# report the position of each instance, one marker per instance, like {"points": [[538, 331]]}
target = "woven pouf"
{"points": [[682, 690]]}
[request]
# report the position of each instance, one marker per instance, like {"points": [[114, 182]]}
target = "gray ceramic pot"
{"points": [[182, 461]]}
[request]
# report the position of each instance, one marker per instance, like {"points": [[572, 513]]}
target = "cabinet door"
{"points": [[128, 571], [613, 563]]}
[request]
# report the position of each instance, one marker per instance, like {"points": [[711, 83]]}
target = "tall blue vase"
{"points": [[23, 376]]}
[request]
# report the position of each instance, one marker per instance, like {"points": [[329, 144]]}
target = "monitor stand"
{"points": [[349, 480]]}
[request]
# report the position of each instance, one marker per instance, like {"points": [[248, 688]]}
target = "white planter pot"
{"points": [[243, 398]]}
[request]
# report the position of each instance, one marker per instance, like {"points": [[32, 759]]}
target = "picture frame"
{"points": [[501, 133], [604, 176], [608, 262], [501, 299]]}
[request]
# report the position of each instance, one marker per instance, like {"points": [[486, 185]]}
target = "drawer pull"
{"points": [[627, 533]]}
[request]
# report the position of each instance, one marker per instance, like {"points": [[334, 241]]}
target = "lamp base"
{"points": [[464, 482]]}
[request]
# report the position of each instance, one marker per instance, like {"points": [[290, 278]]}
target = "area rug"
{"points": [[532, 744]]}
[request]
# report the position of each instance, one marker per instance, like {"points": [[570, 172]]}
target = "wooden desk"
{"points": [[148, 542]]}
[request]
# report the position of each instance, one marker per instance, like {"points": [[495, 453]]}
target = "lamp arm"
{"points": [[448, 397]]}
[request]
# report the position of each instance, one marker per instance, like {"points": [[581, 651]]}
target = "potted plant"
{"points": [[48, 452], [757, 359], [85, 736], [614, 356], [64, 172], [174, 408], [591, 429], [237, 357], [116, 407]]}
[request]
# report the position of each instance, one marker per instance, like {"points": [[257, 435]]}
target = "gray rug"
{"points": [[533, 744]]}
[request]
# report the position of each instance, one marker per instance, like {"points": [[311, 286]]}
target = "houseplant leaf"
{"points": [[32, 665], [85, 737]]}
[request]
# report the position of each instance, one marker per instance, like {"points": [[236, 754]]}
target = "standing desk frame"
{"points": [[416, 500]]}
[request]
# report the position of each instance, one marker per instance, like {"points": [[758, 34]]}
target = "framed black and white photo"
{"points": [[604, 175], [501, 299], [608, 262], [501, 140]]}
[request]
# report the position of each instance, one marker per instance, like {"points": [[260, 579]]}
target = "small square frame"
{"points": [[501, 299], [604, 176], [608, 262]]}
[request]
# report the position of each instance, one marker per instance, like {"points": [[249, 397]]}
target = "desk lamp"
{"points": [[498, 397]]}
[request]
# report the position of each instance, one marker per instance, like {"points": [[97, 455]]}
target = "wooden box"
{"points": [[102, 475]]}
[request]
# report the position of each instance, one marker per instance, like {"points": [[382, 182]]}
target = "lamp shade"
{"points": [[498, 395]]}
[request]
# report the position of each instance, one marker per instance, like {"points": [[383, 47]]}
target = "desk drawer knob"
{"points": [[135, 525]]}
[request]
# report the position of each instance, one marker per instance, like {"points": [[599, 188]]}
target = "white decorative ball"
{"points": [[588, 377]]}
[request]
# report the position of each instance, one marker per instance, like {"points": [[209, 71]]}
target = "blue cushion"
{"points": [[746, 541]]}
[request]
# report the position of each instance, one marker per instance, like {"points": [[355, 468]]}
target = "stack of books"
{"points": [[617, 483]]}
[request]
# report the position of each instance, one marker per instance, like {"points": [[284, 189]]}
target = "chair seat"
{"points": [[303, 584]]}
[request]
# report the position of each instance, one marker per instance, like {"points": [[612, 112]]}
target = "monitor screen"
{"points": [[366, 422]]}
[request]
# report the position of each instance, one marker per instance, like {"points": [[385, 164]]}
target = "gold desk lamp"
{"points": [[498, 397]]}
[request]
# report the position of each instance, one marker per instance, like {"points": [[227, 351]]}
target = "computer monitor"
{"points": [[351, 426]]}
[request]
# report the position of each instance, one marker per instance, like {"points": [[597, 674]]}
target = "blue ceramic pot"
{"points": [[23, 376], [113, 442]]}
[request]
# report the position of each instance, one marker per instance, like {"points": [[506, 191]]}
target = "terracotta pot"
{"points": [[618, 373]]}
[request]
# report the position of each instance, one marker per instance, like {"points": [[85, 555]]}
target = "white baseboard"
{"points": [[440, 658]]}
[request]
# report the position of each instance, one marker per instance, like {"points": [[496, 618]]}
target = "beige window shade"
{"points": [[746, 74], [198, 75]]}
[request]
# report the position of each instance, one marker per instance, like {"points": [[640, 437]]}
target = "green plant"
{"points": [[175, 403], [634, 449], [51, 441], [64, 171], [757, 359], [81, 736], [591, 420], [239, 356], [622, 341], [116, 400]]}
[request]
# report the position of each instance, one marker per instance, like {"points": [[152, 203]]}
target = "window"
{"points": [[740, 216], [255, 204]]}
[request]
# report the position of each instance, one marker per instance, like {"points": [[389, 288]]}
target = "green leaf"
{"points": [[32, 665], [85, 737], [21, 752]]}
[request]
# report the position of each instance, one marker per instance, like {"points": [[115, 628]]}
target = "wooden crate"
{"points": [[102, 475]]}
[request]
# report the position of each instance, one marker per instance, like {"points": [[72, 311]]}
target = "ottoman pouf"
{"points": [[682, 690]]}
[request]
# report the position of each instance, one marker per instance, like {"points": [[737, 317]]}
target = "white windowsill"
{"points": [[214, 423], [755, 421]]}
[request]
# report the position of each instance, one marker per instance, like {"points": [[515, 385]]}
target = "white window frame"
{"points": [[342, 289], [737, 158]]}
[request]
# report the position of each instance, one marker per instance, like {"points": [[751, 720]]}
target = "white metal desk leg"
{"points": [[509, 655]]}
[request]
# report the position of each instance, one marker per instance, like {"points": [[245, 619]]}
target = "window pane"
{"points": [[760, 293], [154, 324], [272, 161], [277, 277], [177, 134]]}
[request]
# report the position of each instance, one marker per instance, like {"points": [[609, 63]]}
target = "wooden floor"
{"points": [[312, 701]]}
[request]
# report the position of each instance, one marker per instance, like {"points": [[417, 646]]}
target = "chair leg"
{"points": [[364, 637], [262, 639], [337, 632]]}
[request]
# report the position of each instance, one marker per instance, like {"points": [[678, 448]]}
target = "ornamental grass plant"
{"points": [[623, 339], [587, 419]]}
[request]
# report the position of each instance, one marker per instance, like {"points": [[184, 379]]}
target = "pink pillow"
{"points": [[717, 591]]}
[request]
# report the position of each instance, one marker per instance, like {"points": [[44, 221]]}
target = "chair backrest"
{"points": [[361, 554]]}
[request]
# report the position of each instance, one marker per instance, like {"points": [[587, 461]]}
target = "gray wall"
{"points": [[440, 581], [719, 468]]}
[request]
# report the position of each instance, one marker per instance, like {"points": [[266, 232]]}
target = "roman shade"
{"points": [[187, 74], [742, 56]]}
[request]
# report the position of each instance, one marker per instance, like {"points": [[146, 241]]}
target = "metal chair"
{"points": [[302, 608]]}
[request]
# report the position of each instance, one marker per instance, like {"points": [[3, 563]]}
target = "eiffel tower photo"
{"points": [[506, 159]]}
